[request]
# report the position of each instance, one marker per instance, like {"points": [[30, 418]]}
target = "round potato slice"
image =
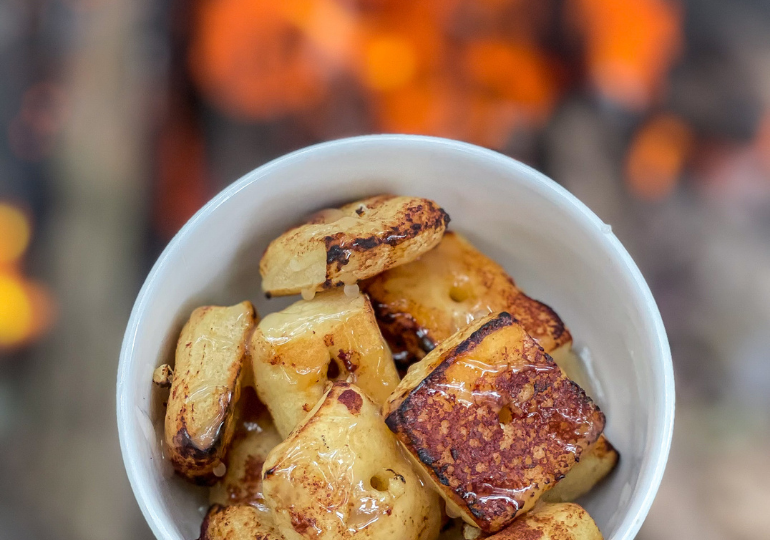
{"points": [[338, 247]]}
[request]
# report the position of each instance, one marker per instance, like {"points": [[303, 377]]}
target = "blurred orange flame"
{"points": [[631, 44], [422, 69], [657, 156]]}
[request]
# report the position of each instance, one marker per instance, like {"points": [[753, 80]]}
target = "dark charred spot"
{"points": [[268, 295], [335, 254], [366, 243], [454, 453], [269, 472], [345, 357], [352, 400], [425, 456]]}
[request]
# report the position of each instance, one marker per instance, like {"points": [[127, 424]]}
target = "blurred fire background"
{"points": [[120, 118]]}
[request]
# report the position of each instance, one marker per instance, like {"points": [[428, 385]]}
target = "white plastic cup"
{"points": [[554, 246]]}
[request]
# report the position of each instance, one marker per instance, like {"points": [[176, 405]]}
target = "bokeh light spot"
{"points": [[16, 311], [657, 156], [15, 232], [390, 62]]}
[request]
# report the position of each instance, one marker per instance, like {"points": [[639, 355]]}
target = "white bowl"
{"points": [[555, 247]]}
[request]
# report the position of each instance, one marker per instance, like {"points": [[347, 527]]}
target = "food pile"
{"points": [[414, 393]]}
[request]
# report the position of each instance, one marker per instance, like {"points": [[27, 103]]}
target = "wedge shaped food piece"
{"points": [[424, 302], [341, 474], [206, 386], [595, 464], [563, 521], [357, 241], [242, 522], [493, 421], [255, 436], [297, 351]]}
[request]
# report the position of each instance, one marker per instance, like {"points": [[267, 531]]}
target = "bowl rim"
{"points": [[640, 506]]}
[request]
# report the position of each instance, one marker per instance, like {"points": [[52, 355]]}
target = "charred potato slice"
{"points": [[206, 386], [297, 351], [493, 421], [255, 436], [341, 474], [424, 302], [241, 522], [552, 522], [595, 464], [357, 241]]}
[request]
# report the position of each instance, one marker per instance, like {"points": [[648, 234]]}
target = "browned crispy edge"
{"points": [[395, 420], [186, 454], [339, 247], [397, 424]]}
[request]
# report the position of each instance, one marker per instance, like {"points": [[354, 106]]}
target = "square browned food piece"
{"points": [[422, 303], [493, 420]]}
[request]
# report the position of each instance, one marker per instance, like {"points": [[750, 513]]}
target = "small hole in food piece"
{"points": [[506, 416], [333, 372], [459, 294], [379, 482]]}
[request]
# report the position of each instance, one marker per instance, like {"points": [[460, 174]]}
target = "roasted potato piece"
{"points": [[563, 521], [297, 351], [206, 386], [241, 522], [341, 474], [341, 246], [595, 464], [255, 435], [493, 420], [424, 302]]}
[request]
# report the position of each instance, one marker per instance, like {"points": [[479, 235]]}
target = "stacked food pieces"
{"points": [[305, 429]]}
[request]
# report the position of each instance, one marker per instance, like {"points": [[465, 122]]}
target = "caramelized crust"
{"points": [[357, 241], [206, 385], [341, 474], [255, 435], [426, 301], [493, 420], [241, 522], [552, 522], [298, 351]]}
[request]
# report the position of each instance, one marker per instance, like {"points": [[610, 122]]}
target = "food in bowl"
{"points": [[306, 430]]}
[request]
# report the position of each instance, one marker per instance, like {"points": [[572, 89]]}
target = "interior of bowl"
{"points": [[554, 247]]}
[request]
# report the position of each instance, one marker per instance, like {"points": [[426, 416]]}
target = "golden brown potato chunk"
{"points": [[357, 241], [255, 436], [206, 386], [241, 522], [341, 474], [552, 522], [595, 464], [493, 420], [297, 351], [424, 302]]}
